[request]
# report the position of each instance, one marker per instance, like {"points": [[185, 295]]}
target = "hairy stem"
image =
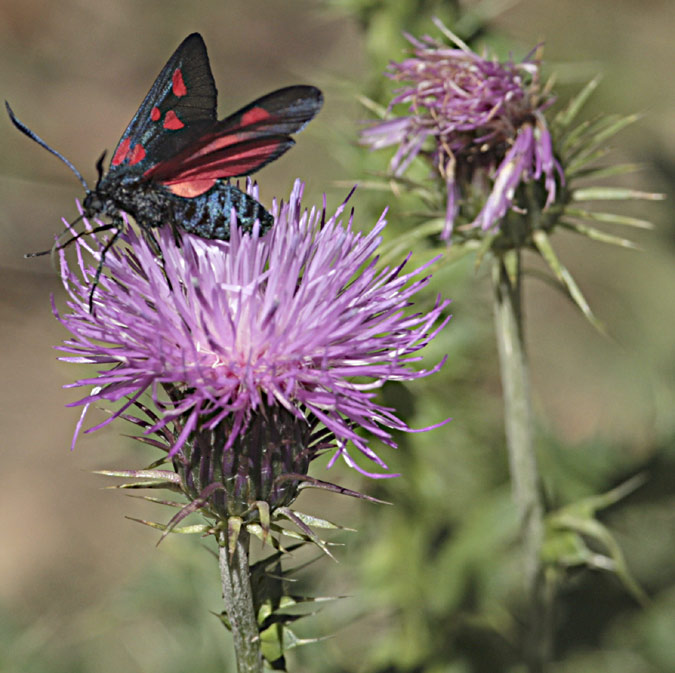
{"points": [[522, 457], [236, 581]]}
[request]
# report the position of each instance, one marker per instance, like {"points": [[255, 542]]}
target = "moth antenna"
{"points": [[33, 136]]}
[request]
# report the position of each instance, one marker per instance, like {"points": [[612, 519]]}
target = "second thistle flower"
{"points": [[480, 123]]}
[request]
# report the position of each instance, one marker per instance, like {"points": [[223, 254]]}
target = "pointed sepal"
{"points": [[546, 250], [234, 524]]}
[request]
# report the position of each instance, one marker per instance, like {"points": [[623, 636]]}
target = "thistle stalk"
{"points": [[522, 457], [245, 354], [238, 597]]}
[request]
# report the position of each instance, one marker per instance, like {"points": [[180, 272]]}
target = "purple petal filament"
{"points": [[300, 317], [484, 120]]}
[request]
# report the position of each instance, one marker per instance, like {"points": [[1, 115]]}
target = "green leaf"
{"points": [[319, 523], [233, 528], [598, 235], [197, 529], [311, 482], [158, 501], [147, 484], [291, 600], [279, 530], [609, 128], [511, 260], [598, 173], [372, 185], [614, 127], [567, 115], [392, 251], [372, 106], [567, 527], [572, 138], [545, 248], [393, 183], [272, 643], [579, 137], [485, 245], [306, 530], [573, 167], [610, 218], [157, 475], [278, 639], [264, 513], [591, 505], [265, 537], [613, 194], [613, 562]]}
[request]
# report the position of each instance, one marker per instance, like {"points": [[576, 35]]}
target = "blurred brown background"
{"points": [[75, 72]]}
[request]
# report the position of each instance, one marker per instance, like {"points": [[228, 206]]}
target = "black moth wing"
{"points": [[180, 106], [245, 141], [281, 112]]}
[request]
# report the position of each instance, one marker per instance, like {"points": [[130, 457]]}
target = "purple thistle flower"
{"points": [[485, 122], [299, 320]]}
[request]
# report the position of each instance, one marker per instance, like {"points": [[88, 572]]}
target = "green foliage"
{"points": [[434, 580], [439, 574], [140, 625]]}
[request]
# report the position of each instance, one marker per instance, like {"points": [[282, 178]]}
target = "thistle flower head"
{"points": [[298, 321], [480, 120]]}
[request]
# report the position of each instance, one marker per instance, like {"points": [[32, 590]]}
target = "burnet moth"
{"points": [[172, 163]]}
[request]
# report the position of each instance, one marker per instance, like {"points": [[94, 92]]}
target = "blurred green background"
{"points": [[433, 580]]}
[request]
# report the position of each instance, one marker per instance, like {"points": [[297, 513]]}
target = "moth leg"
{"points": [[177, 236], [99, 268], [57, 245], [152, 241]]}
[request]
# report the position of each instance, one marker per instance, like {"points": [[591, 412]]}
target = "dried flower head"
{"points": [[299, 320], [480, 119]]}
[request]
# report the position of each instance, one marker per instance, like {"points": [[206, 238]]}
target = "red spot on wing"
{"points": [[137, 154], [254, 115], [155, 114], [172, 122], [179, 87], [122, 151], [191, 189]]}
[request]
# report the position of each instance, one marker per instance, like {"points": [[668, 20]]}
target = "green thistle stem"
{"points": [[522, 457], [236, 580]]}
